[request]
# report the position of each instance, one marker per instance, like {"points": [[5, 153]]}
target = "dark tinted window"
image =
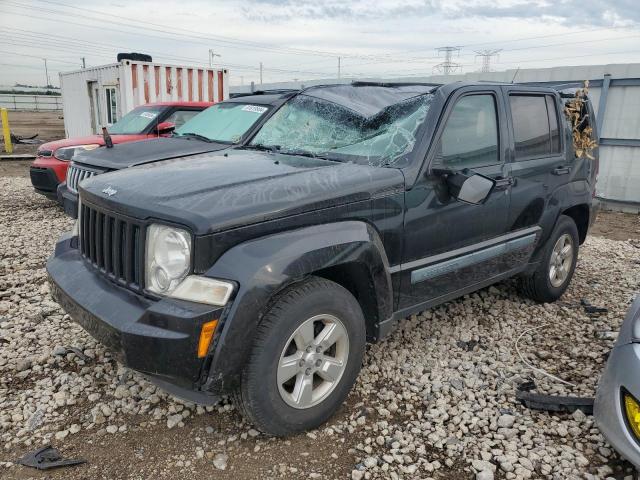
{"points": [[553, 123], [470, 137], [530, 126]]}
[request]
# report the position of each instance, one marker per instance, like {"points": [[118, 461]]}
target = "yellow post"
{"points": [[8, 147]]}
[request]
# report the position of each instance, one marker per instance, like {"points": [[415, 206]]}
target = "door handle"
{"points": [[561, 171], [502, 183]]}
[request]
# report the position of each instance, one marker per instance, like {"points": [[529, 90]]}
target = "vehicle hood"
{"points": [[97, 139], [141, 152], [217, 191]]}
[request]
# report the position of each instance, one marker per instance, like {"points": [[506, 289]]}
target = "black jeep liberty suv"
{"points": [[262, 271]]}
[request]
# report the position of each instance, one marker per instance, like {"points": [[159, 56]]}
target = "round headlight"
{"points": [[168, 257]]}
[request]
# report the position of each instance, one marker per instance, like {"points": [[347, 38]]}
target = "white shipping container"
{"points": [[99, 96]]}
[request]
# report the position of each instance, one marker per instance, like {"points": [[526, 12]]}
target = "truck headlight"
{"points": [[67, 153], [168, 258]]}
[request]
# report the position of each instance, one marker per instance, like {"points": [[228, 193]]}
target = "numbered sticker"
{"points": [[254, 109], [149, 115]]}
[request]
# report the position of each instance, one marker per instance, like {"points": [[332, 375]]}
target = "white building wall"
{"points": [[76, 104], [137, 83]]}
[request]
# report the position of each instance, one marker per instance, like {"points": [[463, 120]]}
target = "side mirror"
{"points": [[469, 187], [165, 127]]}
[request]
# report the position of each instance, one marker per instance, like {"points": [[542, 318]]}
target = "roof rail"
{"points": [[393, 84], [274, 91]]}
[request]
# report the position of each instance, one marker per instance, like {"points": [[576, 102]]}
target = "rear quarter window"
{"points": [[535, 126]]}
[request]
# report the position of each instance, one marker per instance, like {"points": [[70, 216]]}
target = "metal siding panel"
{"points": [[145, 80], [619, 177], [140, 97], [210, 91], [179, 83]]}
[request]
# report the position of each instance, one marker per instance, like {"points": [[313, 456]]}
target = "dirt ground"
{"points": [[48, 125]]}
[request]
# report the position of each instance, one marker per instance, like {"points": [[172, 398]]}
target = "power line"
{"points": [[170, 29]]}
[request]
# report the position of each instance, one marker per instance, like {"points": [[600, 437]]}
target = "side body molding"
{"points": [[266, 265]]}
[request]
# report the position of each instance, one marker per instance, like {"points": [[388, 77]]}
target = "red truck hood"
{"points": [[71, 142]]}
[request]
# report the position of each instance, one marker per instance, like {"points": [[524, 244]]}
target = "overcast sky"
{"points": [[302, 39]]}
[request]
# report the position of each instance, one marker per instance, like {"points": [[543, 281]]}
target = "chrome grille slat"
{"points": [[76, 174], [114, 245]]}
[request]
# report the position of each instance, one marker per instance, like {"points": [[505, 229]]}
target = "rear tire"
{"points": [[555, 271], [307, 353]]}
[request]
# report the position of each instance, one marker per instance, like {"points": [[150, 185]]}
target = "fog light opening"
{"points": [[206, 334], [632, 412]]}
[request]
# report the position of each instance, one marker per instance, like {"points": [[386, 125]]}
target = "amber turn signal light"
{"points": [[632, 412], [206, 334]]}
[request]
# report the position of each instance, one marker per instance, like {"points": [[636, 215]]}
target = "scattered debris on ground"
{"points": [[46, 458]]}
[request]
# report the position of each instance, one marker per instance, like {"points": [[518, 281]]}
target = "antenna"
{"points": [[515, 75], [447, 67], [487, 55]]}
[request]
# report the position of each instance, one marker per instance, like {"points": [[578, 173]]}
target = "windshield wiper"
{"points": [[196, 135], [262, 148], [305, 153]]}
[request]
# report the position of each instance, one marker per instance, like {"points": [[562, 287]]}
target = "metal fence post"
{"points": [[602, 104], [8, 147]]}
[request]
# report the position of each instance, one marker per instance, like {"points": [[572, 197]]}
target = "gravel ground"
{"points": [[435, 400]]}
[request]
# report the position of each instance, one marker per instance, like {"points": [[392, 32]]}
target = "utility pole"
{"points": [[486, 58], [46, 70], [260, 73], [338, 68], [84, 65], [447, 67], [211, 57]]}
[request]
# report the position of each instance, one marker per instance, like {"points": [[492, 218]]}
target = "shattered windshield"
{"points": [[319, 127], [223, 122]]}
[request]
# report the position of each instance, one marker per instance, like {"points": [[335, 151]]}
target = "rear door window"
{"points": [[535, 126], [470, 136]]}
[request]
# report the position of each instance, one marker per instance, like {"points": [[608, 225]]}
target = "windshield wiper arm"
{"points": [[196, 135], [305, 153], [263, 148]]}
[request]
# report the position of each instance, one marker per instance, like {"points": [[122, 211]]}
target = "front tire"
{"points": [[307, 353], [555, 271]]}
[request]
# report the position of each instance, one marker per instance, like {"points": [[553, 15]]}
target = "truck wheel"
{"points": [[307, 353], [558, 263]]}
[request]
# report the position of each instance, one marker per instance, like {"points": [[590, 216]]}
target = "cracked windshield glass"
{"points": [[224, 122], [311, 126]]}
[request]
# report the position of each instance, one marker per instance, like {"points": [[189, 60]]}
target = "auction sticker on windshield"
{"points": [[148, 115], [254, 109]]}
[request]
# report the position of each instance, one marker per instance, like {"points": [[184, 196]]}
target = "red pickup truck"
{"points": [[142, 123]]}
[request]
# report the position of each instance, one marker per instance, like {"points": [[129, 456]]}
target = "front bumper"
{"points": [[44, 181], [620, 372], [46, 173], [68, 200], [158, 338]]}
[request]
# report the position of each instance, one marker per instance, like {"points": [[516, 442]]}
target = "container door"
{"points": [[94, 100]]}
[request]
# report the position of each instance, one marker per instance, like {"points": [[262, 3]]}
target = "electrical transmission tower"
{"points": [[447, 67], [487, 55]]}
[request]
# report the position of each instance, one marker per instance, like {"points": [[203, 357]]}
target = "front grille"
{"points": [[76, 174], [113, 244]]}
